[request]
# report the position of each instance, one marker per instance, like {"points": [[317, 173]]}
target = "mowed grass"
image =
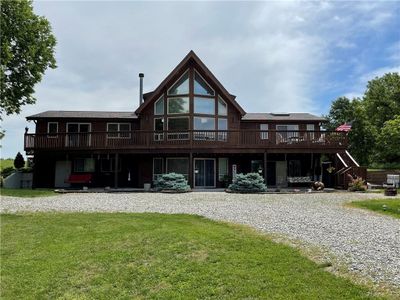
{"points": [[6, 163], [389, 206], [27, 192], [141, 256]]}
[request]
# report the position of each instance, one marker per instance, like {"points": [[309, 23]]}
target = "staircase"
{"points": [[346, 165]]}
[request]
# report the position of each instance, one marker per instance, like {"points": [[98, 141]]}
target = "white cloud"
{"points": [[275, 56]]}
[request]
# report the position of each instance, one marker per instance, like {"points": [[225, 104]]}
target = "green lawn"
{"points": [[27, 192], [141, 256], [392, 206]]}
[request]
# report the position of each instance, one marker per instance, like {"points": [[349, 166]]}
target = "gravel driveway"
{"points": [[367, 242]]}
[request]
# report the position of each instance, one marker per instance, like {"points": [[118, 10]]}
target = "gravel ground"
{"points": [[368, 243]]}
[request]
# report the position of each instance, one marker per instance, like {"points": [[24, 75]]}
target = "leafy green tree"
{"points": [[342, 111], [382, 99], [19, 161], [388, 146], [27, 50]]}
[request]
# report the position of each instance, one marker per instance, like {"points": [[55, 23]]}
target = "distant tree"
{"points": [[19, 161], [388, 146], [382, 99], [342, 111], [27, 50]]}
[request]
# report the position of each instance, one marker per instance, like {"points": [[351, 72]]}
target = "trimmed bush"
{"points": [[248, 183], [172, 182]]}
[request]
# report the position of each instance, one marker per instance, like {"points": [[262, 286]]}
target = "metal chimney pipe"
{"points": [[141, 75]]}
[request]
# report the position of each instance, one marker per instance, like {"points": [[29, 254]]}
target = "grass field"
{"points": [[5, 163], [141, 256], [390, 206], [27, 192]]}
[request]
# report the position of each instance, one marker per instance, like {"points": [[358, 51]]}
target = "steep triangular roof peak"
{"points": [[202, 73]]}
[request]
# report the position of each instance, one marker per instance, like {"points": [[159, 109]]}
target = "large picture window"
{"points": [[203, 123], [222, 125], [222, 107], [222, 168], [178, 105], [178, 165], [204, 106], [82, 165]]}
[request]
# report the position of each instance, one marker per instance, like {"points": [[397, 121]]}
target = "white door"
{"points": [[63, 170], [281, 173]]}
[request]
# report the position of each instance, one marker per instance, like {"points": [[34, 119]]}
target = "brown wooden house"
{"points": [[189, 124]]}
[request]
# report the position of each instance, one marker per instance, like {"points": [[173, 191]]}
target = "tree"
{"points": [[382, 99], [19, 161], [27, 50], [342, 111], [388, 146]]}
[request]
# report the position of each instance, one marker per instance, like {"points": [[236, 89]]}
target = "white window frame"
{"points": [[311, 134], [79, 131], [183, 132], [155, 176], [194, 78], [158, 136], [48, 130], [264, 133], [172, 85], [155, 110], [118, 132]]}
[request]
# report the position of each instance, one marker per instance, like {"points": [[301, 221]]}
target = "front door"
{"points": [[204, 173], [281, 173]]}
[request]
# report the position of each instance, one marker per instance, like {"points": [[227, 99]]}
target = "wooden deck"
{"points": [[306, 141]]}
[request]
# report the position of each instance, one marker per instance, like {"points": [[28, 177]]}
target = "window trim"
{"points": [[118, 131], [48, 130], [89, 133], [264, 133], [172, 85], [155, 105], [194, 79]]}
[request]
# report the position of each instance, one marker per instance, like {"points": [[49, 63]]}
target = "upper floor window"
{"points": [[201, 87], [222, 107], [181, 86], [119, 130], [204, 105], [159, 106], [178, 105], [264, 131], [52, 129]]}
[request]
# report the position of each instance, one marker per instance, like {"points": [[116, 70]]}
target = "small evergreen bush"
{"points": [[19, 161], [248, 183], [172, 182]]}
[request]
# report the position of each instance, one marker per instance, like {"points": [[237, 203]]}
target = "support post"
{"points": [[265, 167], [190, 177], [116, 170]]}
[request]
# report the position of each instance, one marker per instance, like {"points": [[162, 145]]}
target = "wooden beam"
{"points": [[265, 167], [191, 183], [116, 170]]}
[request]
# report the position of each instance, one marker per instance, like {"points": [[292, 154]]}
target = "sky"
{"points": [[287, 56]]}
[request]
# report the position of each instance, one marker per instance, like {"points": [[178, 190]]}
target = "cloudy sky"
{"points": [[274, 56]]}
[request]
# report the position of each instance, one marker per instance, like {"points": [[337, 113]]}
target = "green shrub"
{"points": [[357, 185], [172, 182], [7, 171], [248, 183]]}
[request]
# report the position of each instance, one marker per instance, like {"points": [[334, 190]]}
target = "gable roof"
{"points": [[281, 117], [83, 115], [181, 67]]}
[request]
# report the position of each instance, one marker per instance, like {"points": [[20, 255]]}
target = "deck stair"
{"points": [[347, 165]]}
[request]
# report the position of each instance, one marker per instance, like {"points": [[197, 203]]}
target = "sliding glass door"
{"points": [[204, 172]]}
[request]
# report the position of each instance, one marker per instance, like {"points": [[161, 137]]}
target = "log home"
{"points": [[190, 124]]}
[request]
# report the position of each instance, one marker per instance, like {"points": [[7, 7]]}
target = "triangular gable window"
{"points": [[181, 87], [201, 87]]}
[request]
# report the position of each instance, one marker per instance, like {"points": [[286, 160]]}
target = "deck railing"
{"points": [[188, 139]]}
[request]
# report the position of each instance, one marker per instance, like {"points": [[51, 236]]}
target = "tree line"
{"points": [[374, 139]]}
